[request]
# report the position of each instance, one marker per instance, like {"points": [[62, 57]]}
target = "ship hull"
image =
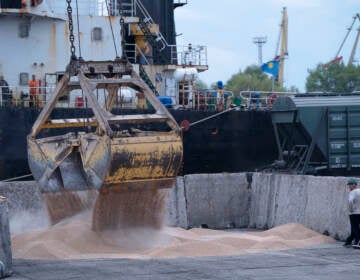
{"points": [[236, 141]]}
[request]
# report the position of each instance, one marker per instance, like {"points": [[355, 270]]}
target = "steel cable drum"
{"points": [[105, 159]]}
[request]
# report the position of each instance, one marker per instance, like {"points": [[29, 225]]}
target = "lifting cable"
{"points": [[111, 27], [71, 30], [185, 125], [122, 31], [16, 178], [78, 26]]}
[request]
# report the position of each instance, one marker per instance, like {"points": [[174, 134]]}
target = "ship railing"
{"points": [[260, 100], [19, 96], [180, 55], [180, 2], [204, 100], [86, 7], [189, 55], [127, 8]]}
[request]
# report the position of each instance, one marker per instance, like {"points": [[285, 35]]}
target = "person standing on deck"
{"points": [[33, 89], [354, 213]]}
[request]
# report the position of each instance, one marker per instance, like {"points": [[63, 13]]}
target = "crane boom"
{"points": [[284, 47], [353, 52], [346, 36]]}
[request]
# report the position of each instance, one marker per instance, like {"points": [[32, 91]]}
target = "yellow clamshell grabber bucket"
{"points": [[105, 160]]}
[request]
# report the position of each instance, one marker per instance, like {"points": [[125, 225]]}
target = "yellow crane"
{"points": [[282, 46]]}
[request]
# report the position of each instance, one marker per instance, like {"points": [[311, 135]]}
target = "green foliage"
{"points": [[335, 77], [199, 85], [251, 79], [292, 89]]}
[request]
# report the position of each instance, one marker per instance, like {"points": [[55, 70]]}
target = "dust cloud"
{"points": [[132, 225]]}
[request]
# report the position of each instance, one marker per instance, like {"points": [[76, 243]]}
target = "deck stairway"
{"points": [[147, 80]]}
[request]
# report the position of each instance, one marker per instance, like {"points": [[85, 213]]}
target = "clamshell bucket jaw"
{"points": [[105, 159], [68, 162]]}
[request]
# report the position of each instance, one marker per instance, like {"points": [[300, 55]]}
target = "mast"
{"points": [[284, 46]]}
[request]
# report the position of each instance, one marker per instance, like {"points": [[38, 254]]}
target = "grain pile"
{"points": [[74, 239], [131, 225]]}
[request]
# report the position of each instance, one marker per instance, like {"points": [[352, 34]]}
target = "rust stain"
{"points": [[151, 184], [52, 47], [18, 11], [99, 152], [147, 160], [113, 19], [66, 31]]}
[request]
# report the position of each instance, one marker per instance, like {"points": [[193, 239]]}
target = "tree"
{"points": [[334, 77], [252, 79], [199, 85]]}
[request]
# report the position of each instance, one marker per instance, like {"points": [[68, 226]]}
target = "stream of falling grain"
{"points": [[131, 209]]}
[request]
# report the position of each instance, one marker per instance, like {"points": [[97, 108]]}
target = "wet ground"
{"points": [[328, 261]]}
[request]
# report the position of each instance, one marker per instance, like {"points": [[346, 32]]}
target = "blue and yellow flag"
{"points": [[271, 67]]}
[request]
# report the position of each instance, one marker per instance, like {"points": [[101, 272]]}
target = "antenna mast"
{"points": [[260, 41]]}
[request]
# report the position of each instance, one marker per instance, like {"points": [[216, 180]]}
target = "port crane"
{"points": [[355, 45], [103, 150], [281, 51]]}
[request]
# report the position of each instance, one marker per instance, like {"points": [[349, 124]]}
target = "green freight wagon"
{"points": [[317, 133]]}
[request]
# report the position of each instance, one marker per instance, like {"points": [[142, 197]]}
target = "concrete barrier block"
{"points": [[262, 200], [22, 195], [217, 200], [327, 206], [5, 241], [290, 199], [27, 210], [176, 205], [318, 202]]}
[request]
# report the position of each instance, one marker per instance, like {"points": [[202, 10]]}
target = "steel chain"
{"points": [[71, 30]]}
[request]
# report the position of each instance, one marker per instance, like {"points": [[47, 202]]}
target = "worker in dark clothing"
{"points": [[4, 90], [354, 213]]}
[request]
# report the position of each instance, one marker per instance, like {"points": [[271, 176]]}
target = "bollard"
{"points": [[5, 243]]}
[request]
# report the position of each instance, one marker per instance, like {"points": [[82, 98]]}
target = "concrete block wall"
{"points": [[22, 195], [211, 200], [261, 201], [318, 202], [5, 242], [26, 206], [217, 200], [176, 205], [257, 200]]}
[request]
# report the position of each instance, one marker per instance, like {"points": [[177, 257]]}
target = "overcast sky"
{"points": [[227, 27]]}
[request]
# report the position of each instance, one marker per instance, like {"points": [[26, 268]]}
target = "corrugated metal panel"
{"points": [[327, 101], [344, 138]]}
